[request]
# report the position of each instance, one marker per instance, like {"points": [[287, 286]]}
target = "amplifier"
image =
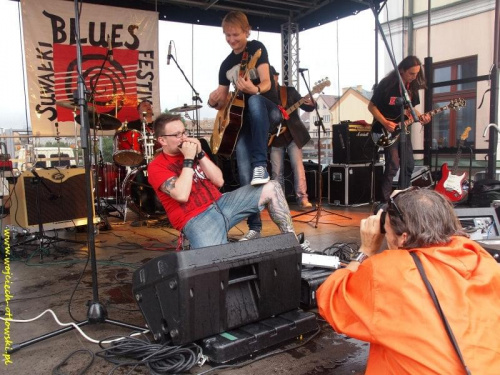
{"points": [[352, 143], [57, 200]]}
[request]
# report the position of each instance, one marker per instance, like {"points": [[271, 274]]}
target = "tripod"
{"points": [[96, 312], [319, 178]]}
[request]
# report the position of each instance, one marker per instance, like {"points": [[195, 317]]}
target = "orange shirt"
{"points": [[386, 303]]}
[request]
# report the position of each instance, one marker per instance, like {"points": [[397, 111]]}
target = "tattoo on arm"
{"points": [[168, 185]]}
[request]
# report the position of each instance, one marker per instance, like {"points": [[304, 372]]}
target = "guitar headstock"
{"points": [[320, 85], [457, 103]]}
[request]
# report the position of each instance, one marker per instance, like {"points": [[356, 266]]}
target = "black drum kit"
{"points": [[124, 182]]}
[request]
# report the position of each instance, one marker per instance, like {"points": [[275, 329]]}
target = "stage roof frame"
{"points": [[263, 15]]}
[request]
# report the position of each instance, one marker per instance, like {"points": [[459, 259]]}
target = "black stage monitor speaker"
{"points": [[352, 143], [189, 295], [58, 200]]}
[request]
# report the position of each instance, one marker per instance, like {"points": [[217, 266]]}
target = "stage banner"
{"points": [[113, 86]]}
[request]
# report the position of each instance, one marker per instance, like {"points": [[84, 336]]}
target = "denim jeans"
{"points": [[210, 227], [299, 176], [251, 149], [392, 162]]}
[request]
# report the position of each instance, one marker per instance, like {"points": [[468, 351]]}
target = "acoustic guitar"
{"points": [[383, 138], [450, 184], [229, 119]]}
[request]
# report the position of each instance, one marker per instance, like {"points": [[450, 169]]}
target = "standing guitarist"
{"points": [[293, 139], [386, 112], [260, 100]]}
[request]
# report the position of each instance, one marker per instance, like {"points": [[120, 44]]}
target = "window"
{"points": [[326, 119], [449, 125]]}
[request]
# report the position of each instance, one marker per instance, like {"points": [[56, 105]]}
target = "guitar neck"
{"points": [[430, 113], [295, 106]]}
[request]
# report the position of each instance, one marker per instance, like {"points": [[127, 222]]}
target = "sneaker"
{"points": [[251, 235], [260, 176], [304, 204], [306, 247], [304, 244]]}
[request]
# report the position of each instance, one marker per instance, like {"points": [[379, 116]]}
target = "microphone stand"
{"points": [[96, 312], [319, 179], [196, 97], [404, 101]]}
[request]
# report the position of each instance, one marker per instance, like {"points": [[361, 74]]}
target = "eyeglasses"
{"points": [[391, 205], [178, 135]]}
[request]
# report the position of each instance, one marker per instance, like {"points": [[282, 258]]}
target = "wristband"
{"points": [[200, 155], [258, 90], [361, 258], [210, 105], [188, 163]]}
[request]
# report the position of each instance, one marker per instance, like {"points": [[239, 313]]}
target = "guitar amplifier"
{"points": [[352, 143], [57, 200]]}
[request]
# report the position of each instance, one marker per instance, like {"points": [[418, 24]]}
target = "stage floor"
{"points": [[54, 283]]}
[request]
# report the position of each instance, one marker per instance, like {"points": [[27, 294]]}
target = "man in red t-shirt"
{"points": [[187, 184]]}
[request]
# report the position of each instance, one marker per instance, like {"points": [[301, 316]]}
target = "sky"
{"points": [[343, 51]]}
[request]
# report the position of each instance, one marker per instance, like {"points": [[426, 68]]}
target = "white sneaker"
{"points": [[260, 176], [306, 247], [251, 235]]}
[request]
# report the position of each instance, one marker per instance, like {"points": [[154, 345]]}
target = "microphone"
{"points": [[144, 114], [301, 70], [169, 55], [110, 50], [34, 172]]}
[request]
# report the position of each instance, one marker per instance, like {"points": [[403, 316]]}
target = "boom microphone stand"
{"points": [[196, 97], [96, 312], [319, 179]]}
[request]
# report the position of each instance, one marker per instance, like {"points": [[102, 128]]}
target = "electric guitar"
{"points": [[450, 184], [229, 119], [320, 86], [383, 138]]}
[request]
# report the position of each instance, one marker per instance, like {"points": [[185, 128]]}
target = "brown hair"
{"points": [[428, 218], [407, 63], [237, 18], [162, 120]]}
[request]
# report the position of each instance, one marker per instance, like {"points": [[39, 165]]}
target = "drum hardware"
{"points": [[185, 108]]}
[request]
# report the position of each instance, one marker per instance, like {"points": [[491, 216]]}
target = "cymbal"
{"points": [[185, 108], [104, 121], [72, 105], [67, 104]]}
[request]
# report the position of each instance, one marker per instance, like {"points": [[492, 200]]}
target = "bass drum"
{"points": [[141, 196]]}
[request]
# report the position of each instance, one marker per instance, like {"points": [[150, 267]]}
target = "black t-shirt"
{"points": [[230, 68], [384, 98]]}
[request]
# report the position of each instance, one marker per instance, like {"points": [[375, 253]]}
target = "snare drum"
{"points": [[128, 150], [140, 193], [109, 179]]}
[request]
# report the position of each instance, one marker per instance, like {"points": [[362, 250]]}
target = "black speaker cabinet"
{"points": [[57, 200], [352, 143], [189, 295]]}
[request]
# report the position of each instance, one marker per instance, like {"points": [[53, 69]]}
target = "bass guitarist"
{"points": [[386, 112], [260, 104], [292, 140]]}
